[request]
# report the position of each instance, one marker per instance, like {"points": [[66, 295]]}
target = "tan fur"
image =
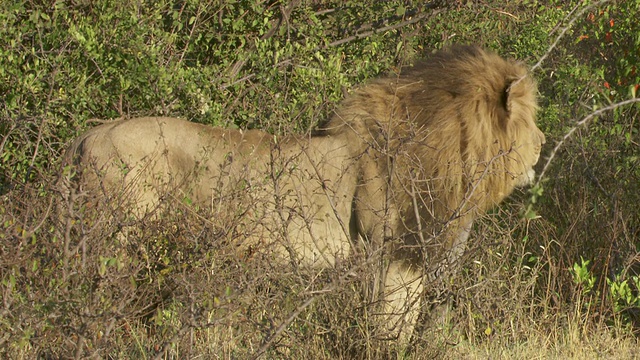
{"points": [[406, 164]]}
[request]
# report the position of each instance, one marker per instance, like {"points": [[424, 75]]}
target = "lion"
{"points": [[404, 166]]}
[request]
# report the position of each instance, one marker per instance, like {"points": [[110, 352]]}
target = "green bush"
{"points": [[71, 288]]}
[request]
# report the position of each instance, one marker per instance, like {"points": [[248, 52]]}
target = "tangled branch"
{"points": [[577, 126]]}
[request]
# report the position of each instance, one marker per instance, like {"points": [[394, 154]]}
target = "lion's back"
{"points": [[287, 189]]}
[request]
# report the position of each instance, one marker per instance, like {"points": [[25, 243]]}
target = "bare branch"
{"points": [[565, 29], [330, 287], [386, 28], [578, 125]]}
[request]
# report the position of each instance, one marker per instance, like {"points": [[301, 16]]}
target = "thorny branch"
{"points": [[574, 17], [386, 28], [564, 31], [235, 69], [578, 125], [268, 340]]}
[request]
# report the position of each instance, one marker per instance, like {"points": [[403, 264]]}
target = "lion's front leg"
{"points": [[454, 248], [402, 290], [441, 275]]}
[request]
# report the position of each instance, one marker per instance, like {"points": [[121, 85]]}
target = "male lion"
{"points": [[405, 165]]}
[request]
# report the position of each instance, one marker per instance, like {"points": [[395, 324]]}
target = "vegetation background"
{"points": [[551, 274]]}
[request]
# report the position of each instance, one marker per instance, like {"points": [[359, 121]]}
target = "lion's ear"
{"points": [[503, 106], [504, 97]]}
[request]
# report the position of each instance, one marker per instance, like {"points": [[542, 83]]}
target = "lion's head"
{"points": [[462, 121]]}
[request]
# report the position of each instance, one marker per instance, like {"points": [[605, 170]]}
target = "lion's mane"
{"points": [[454, 133]]}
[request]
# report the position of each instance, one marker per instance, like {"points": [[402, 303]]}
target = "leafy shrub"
{"points": [[71, 288]]}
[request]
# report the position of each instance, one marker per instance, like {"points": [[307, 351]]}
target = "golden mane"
{"points": [[462, 115]]}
